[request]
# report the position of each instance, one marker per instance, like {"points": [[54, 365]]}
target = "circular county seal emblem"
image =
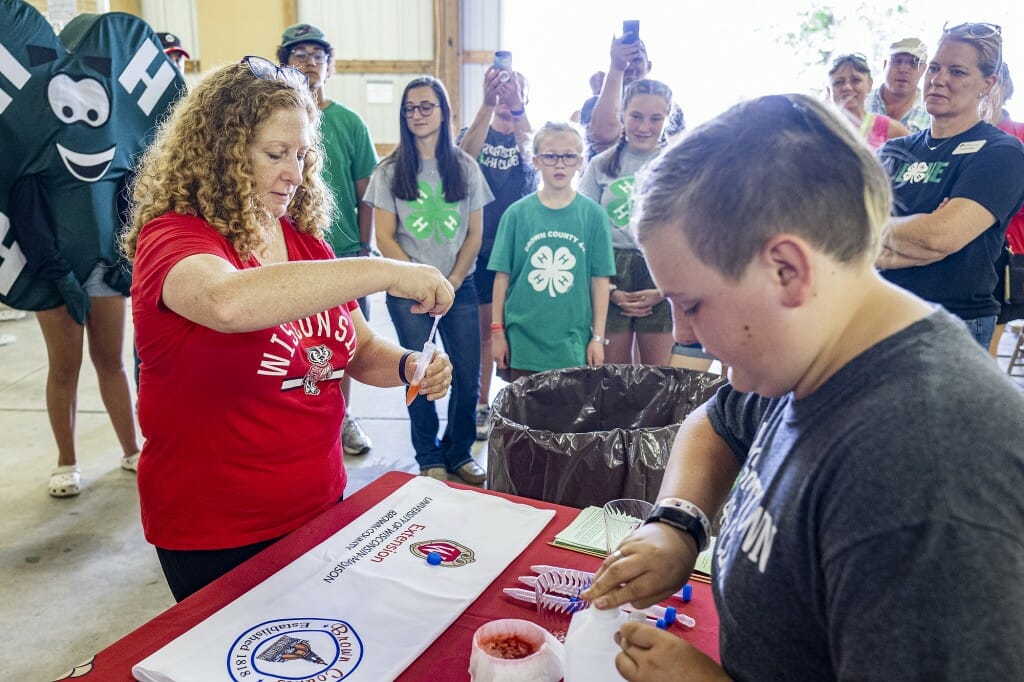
{"points": [[295, 649]]}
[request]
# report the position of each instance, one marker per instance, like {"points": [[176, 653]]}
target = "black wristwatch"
{"points": [[681, 521]]}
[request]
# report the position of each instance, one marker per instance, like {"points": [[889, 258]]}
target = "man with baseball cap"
{"points": [[898, 97], [173, 49], [351, 158]]}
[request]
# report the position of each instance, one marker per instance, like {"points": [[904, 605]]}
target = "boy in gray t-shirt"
{"points": [[867, 452]]}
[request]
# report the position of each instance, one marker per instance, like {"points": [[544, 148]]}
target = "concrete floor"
{"points": [[77, 573]]}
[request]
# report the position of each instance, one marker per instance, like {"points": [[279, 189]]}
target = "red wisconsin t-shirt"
{"points": [[243, 431]]}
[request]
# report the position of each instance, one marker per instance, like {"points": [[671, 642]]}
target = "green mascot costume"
{"points": [[75, 111]]}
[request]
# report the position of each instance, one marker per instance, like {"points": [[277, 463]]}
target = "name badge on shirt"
{"points": [[969, 147]]}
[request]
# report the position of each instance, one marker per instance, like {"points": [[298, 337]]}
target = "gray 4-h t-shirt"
{"points": [[876, 531], [430, 230], [615, 192]]}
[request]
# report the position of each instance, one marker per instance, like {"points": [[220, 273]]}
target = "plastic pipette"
{"points": [[655, 611], [421, 364], [531, 597]]}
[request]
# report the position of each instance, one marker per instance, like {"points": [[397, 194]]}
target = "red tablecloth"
{"points": [[448, 657]]}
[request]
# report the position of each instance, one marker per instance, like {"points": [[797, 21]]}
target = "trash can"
{"points": [[585, 435]]}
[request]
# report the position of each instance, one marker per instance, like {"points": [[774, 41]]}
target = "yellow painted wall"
{"points": [[231, 29], [129, 6]]}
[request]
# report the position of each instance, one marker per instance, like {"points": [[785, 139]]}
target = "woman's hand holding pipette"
{"points": [[431, 370], [424, 284], [437, 378]]}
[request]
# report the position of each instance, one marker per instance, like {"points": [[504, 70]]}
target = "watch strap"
{"points": [[682, 521], [689, 508]]}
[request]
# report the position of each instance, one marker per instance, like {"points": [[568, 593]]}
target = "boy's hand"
{"points": [[654, 655], [595, 353]]}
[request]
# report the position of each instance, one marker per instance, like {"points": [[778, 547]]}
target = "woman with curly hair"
{"points": [[245, 323]]}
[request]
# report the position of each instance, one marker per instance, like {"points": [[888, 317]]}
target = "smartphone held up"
{"points": [[503, 64], [630, 31]]}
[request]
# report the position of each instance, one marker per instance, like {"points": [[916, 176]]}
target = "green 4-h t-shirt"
{"points": [[550, 256], [350, 157]]}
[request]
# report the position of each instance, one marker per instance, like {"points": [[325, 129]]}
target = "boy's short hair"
{"points": [[783, 163]]}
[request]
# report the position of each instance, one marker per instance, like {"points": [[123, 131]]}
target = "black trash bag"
{"points": [[586, 435]]}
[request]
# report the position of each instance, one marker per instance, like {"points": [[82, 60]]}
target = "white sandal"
{"points": [[65, 481]]}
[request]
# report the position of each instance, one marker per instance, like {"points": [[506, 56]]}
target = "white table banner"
{"points": [[366, 602]]}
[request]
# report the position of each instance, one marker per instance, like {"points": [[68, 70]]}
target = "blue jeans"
{"points": [[459, 330], [982, 328]]}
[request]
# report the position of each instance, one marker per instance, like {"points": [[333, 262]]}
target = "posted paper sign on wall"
{"points": [[365, 603]]}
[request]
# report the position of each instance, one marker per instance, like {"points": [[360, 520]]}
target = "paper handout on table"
{"points": [[586, 534], [364, 603]]}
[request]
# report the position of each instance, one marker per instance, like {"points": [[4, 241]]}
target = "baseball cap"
{"points": [[911, 46], [303, 33], [172, 43]]}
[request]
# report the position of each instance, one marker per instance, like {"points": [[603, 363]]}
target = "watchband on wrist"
{"points": [[684, 516], [401, 367], [603, 340], [612, 287]]}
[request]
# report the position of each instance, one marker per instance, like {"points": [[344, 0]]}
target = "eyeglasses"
{"points": [[975, 30], [852, 57], [901, 60], [266, 70], [425, 109], [549, 159], [318, 56]]}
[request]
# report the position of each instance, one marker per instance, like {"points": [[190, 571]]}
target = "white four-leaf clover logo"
{"points": [[553, 270], [916, 172]]}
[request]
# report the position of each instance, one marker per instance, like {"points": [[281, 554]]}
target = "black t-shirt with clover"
{"points": [[982, 164]]}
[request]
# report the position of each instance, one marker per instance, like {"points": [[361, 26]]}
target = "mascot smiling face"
{"points": [[75, 111]]}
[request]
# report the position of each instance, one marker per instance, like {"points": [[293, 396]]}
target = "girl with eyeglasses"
{"points": [[638, 314], [245, 323], [428, 198], [849, 82], [956, 185], [552, 259]]}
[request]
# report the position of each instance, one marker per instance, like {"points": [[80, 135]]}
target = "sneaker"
{"points": [[130, 462], [10, 314], [472, 473], [483, 421], [436, 473], [353, 439]]}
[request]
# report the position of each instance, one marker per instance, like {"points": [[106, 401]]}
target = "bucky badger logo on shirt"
{"points": [[320, 368]]}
